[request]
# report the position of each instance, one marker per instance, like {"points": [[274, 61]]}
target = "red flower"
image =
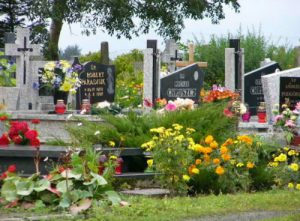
{"points": [[35, 121], [3, 176], [227, 113], [12, 168], [147, 103], [17, 139], [35, 142], [3, 118], [31, 134], [4, 141]]}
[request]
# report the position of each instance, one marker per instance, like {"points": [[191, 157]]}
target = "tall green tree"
{"points": [[70, 51], [125, 17]]}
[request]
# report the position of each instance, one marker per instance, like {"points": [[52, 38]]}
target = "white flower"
{"points": [[103, 104], [79, 124], [69, 116], [243, 108], [97, 132], [83, 111]]}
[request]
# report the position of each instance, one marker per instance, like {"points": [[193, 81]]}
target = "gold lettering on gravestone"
{"points": [[96, 81]]}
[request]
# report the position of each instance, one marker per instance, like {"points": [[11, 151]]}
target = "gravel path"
{"points": [[248, 216]]}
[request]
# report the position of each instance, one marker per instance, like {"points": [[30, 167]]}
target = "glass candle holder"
{"points": [[60, 107], [246, 116], [261, 113]]}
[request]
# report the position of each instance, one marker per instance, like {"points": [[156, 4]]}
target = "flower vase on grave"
{"points": [[246, 116], [261, 113]]}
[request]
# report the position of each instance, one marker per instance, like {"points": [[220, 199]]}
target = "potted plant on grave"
{"points": [[287, 121], [61, 78]]}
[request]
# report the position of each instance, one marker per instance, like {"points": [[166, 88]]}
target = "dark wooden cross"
{"points": [[176, 58], [24, 50]]}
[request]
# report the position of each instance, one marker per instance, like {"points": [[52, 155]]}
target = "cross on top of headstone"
{"points": [[23, 49], [191, 59]]}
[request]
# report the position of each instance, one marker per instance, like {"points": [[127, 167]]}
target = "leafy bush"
{"points": [[132, 130], [6, 70]]}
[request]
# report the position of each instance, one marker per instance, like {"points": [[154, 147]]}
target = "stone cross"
{"points": [[22, 49], [191, 59], [170, 55]]}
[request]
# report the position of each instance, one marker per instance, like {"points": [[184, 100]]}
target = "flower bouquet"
{"points": [[287, 121], [60, 75]]}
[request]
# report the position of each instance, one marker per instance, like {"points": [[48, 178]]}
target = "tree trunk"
{"points": [[59, 7], [55, 30]]}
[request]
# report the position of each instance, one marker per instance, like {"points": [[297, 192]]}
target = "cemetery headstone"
{"points": [[253, 91], [289, 91], [271, 88], [23, 97], [97, 83], [104, 58], [170, 54], [191, 59], [184, 83]]}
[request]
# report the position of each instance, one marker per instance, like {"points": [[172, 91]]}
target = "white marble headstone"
{"points": [[271, 88]]}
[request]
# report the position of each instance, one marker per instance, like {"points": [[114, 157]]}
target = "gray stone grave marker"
{"points": [[23, 96]]}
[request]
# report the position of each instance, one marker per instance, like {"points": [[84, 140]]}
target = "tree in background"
{"points": [[16, 14], [70, 52], [257, 48], [91, 56], [125, 18]]}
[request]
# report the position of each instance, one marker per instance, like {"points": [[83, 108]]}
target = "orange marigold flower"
{"points": [[226, 157], [220, 170], [216, 161], [223, 149], [209, 139], [198, 161], [191, 169], [245, 139], [214, 144], [229, 141], [250, 165], [207, 150], [206, 158], [198, 148]]}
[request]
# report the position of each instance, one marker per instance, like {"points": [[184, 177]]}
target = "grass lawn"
{"points": [[184, 208]]}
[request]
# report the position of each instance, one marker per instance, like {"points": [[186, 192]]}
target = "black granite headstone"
{"points": [[184, 83], [289, 91], [97, 83], [253, 92]]}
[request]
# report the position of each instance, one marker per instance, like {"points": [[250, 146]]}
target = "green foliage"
{"points": [[91, 56], [132, 130], [70, 51], [6, 71], [256, 46]]}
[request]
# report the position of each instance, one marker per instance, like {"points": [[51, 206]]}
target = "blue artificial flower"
{"points": [[77, 67], [36, 85], [57, 82]]}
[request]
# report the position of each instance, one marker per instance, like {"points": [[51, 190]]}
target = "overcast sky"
{"points": [[278, 20]]}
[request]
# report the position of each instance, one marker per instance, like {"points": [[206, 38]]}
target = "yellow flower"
{"points": [[292, 152], [195, 171], [150, 162], [250, 165], [298, 186], [66, 86], [169, 150], [281, 158], [291, 185], [177, 126], [294, 167], [216, 161], [198, 161], [223, 149], [111, 143], [214, 145], [198, 148], [158, 130], [179, 138], [226, 157], [190, 130], [273, 164], [220, 170], [209, 139], [229, 141], [186, 177], [113, 157], [232, 162], [207, 150], [239, 165], [286, 148]]}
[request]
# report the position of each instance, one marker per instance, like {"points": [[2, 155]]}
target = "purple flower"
{"points": [[77, 67], [170, 107], [102, 158]]}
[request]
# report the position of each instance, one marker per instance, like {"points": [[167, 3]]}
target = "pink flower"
{"points": [[278, 117], [227, 113], [297, 107], [170, 107], [147, 103], [289, 123]]}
